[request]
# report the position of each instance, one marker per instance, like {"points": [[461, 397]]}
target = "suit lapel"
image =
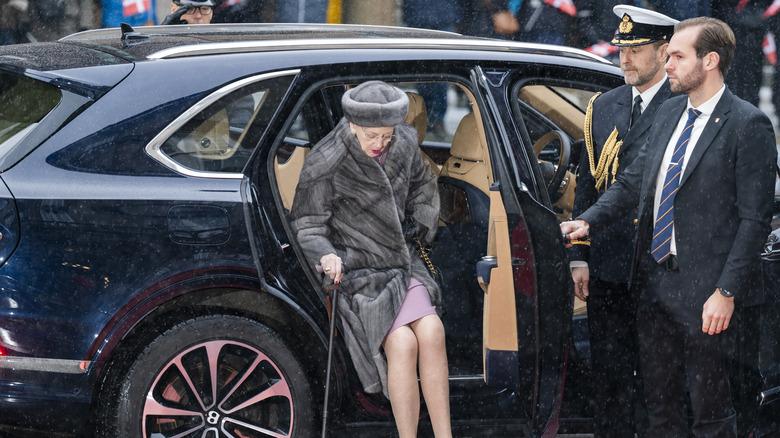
{"points": [[668, 122], [708, 134], [622, 111]]}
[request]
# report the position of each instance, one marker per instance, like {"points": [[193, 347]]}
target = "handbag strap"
{"points": [[424, 256]]}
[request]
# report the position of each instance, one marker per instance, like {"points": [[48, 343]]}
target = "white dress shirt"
{"points": [[648, 94], [698, 126]]}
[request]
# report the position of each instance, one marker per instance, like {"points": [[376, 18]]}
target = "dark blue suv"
{"points": [[151, 285]]}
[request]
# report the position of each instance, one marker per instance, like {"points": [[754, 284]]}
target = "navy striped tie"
{"points": [[662, 234]]}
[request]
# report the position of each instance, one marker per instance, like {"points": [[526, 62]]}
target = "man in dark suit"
{"points": [[704, 185], [619, 122]]}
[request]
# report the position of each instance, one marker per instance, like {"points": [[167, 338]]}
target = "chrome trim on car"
{"points": [[769, 396], [466, 379], [62, 366], [364, 43], [153, 148]]}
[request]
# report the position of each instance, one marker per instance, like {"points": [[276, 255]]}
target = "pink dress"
{"points": [[417, 304]]}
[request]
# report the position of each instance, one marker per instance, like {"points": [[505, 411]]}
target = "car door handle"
{"points": [[485, 267]]}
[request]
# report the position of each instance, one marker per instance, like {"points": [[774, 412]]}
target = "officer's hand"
{"points": [[575, 230], [581, 277]]}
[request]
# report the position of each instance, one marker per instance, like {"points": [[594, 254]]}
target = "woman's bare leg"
{"points": [[401, 351], [434, 374]]}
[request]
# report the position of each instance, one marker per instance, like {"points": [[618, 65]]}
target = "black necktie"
{"points": [[636, 111]]}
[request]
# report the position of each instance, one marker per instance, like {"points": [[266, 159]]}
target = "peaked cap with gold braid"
{"points": [[641, 26]]}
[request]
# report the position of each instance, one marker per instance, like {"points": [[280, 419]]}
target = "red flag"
{"points": [[135, 7], [602, 49], [769, 48], [772, 9], [566, 6]]}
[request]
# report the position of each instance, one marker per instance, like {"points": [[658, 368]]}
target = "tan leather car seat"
{"points": [[418, 118], [467, 156], [417, 115], [288, 173]]}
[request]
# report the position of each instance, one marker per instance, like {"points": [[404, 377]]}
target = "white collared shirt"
{"points": [[698, 126], [648, 95]]}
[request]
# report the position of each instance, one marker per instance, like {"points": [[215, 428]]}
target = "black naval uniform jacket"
{"points": [[611, 251]]}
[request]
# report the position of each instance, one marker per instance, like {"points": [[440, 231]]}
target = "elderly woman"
{"points": [[363, 191]]}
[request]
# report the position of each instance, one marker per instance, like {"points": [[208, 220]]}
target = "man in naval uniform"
{"points": [[616, 127]]}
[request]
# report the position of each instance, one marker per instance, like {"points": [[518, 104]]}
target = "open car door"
{"points": [[528, 298]]}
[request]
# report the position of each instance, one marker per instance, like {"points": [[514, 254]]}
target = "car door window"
{"points": [[550, 107], [220, 138], [553, 117]]}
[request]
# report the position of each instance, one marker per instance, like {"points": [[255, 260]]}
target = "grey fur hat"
{"points": [[375, 104]]}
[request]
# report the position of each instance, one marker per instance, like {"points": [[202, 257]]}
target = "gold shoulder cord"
{"points": [[608, 154]]}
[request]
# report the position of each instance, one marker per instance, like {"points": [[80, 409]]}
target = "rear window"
{"points": [[24, 102], [220, 137]]}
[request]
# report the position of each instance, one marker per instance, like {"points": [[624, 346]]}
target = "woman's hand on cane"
{"points": [[332, 267]]}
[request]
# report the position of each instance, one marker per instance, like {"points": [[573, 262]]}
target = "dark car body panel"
{"points": [[125, 244], [122, 236]]}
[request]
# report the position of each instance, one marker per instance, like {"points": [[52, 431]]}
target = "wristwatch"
{"points": [[726, 293]]}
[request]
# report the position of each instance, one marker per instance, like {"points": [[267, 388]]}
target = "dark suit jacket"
{"points": [[611, 251], [722, 209]]}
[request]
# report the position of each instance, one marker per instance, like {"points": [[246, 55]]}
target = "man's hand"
{"points": [[575, 230], [581, 277], [504, 23], [716, 313]]}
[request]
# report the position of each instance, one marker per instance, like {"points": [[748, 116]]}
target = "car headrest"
{"points": [[417, 115], [466, 141]]}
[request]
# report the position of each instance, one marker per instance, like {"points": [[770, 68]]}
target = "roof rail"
{"points": [[360, 43]]}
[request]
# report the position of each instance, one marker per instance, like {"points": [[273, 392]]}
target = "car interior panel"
{"points": [[499, 340], [287, 173]]}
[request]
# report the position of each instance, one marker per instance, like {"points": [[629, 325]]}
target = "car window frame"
{"points": [[154, 147]]}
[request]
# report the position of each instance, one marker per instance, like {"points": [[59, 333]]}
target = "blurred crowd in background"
{"points": [[586, 24]]}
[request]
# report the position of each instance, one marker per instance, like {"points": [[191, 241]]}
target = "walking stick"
{"points": [[333, 290]]}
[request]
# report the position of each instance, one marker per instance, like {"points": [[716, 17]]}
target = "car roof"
{"points": [[158, 42]]}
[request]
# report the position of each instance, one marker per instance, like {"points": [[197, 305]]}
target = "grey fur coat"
{"points": [[346, 204]]}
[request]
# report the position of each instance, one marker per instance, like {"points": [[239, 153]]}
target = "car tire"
{"points": [[213, 376]]}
